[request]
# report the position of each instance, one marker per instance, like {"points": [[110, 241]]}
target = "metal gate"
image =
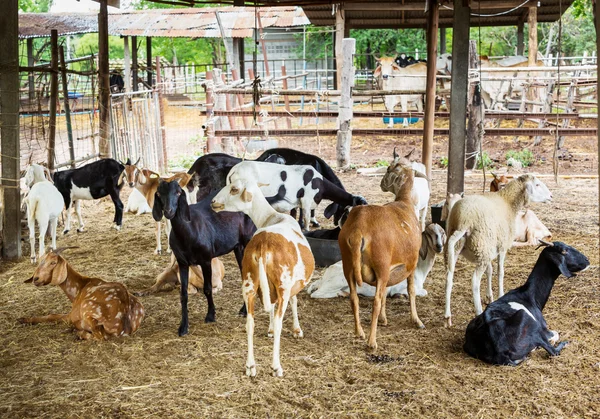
{"points": [[136, 130]]}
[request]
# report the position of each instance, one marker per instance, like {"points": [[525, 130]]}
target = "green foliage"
{"points": [[388, 41], [185, 161], [444, 162], [88, 43], [484, 160], [319, 43], [35, 6], [524, 156], [382, 163]]}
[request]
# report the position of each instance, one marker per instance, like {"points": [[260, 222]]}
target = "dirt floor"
{"points": [[46, 372]]}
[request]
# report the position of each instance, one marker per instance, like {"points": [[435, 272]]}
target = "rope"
{"points": [[493, 14]]}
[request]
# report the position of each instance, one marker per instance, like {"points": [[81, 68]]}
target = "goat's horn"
{"points": [[260, 185], [62, 249], [409, 153], [395, 155], [545, 243], [419, 174], [138, 160]]}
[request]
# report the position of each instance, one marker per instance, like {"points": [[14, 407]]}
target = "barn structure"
{"points": [[350, 14]]}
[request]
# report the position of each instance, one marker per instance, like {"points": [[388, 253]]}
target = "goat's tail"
{"points": [[356, 249], [264, 283]]}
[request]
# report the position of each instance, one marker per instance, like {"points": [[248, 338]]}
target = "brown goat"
{"points": [[380, 246], [498, 183], [100, 309], [169, 278]]}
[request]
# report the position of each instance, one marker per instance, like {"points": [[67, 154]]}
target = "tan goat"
{"points": [[100, 309], [380, 246]]}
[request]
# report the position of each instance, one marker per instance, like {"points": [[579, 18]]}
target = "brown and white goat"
{"points": [[499, 182], [380, 246], [141, 199], [100, 309], [277, 260], [169, 278]]}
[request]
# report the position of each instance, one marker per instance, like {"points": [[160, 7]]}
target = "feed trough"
{"points": [[325, 246]]}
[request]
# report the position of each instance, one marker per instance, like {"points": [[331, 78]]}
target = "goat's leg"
{"points": [[423, 217], [490, 292], [270, 332], [43, 226], [282, 303], [184, 271], [79, 217], [50, 318], [382, 280], [113, 191], [305, 212], [68, 206], [207, 272], [358, 330], [53, 226], [451, 257], [249, 297], [238, 251], [475, 284], [168, 231], [296, 330], [383, 314], [501, 257], [158, 250], [410, 283], [552, 350], [313, 219], [31, 224], [404, 106]]}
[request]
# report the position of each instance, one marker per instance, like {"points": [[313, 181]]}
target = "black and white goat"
{"points": [[92, 181], [198, 234], [513, 326], [298, 186]]}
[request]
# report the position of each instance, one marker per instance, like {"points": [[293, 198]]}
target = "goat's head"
{"points": [[169, 199], [52, 270], [567, 259], [275, 158], [536, 190], [36, 173], [131, 173], [340, 213], [498, 183], [386, 67], [444, 63], [399, 176], [237, 195], [432, 239]]}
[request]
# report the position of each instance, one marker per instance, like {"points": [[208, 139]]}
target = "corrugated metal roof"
{"points": [[238, 22]]}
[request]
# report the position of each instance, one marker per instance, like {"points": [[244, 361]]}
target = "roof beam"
{"points": [[420, 6]]}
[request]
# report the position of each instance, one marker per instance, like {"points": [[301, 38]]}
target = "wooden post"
{"points": [[237, 44], [127, 63], [432, 30], [263, 46], [211, 145], [53, 98], [134, 62], [533, 38], [344, 136], [103, 81], [597, 23], [65, 88], [442, 47], [520, 37], [149, 61], [475, 126], [9, 129], [458, 97], [240, 97], [340, 20], [161, 111], [286, 98], [31, 77]]}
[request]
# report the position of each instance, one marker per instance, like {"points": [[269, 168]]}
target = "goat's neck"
{"points": [[74, 283], [540, 282], [262, 213], [515, 196]]}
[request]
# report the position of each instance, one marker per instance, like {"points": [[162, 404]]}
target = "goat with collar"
{"points": [[513, 326]]}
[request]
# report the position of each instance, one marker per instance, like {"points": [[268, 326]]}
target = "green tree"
{"points": [[35, 6]]}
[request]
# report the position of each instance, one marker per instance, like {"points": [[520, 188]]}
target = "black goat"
{"points": [[92, 181], [198, 235], [513, 326]]}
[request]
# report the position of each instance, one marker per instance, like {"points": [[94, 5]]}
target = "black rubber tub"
{"points": [[324, 247]]}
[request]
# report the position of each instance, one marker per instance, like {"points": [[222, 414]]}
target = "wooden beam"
{"points": [[53, 99], [520, 37], [432, 32], [30, 63], [134, 63], [9, 128], [420, 6], [597, 23], [533, 38], [103, 81], [443, 31], [458, 98], [344, 134], [127, 64], [339, 37], [149, 61]]}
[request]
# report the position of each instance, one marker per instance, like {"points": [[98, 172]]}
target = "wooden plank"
{"points": [[149, 61], [134, 63], [161, 111], [9, 129], [533, 39], [520, 37], [428, 126], [53, 99], [103, 81], [597, 24], [340, 20], [127, 63], [344, 134], [458, 95], [30, 63]]}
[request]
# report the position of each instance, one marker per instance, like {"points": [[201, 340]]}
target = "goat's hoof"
{"points": [[372, 346], [278, 372], [243, 312], [360, 334], [420, 325], [488, 300], [158, 252], [169, 251], [270, 333], [116, 227], [33, 259], [421, 293], [23, 320], [210, 318], [554, 338], [80, 230], [183, 330], [298, 333], [65, 232], [251, 371], [448, 322], [315, 224], [140, 293]]}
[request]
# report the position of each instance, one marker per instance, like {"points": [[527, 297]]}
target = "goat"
{"points": [[100, 309], [376, 240], [278, 260], [289, 187], [197, 236], [513, 326], [169, 278], [92, 181], [334, 284], [482, 228], [44, 205], [498, 183], [420, 190]]}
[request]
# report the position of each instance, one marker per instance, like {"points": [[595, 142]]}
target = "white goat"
{"points": [[334, 284], [44, 205], [483, 227], [277, 260]]}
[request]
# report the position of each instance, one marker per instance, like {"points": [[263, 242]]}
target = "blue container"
{"points": [[386, 120]]}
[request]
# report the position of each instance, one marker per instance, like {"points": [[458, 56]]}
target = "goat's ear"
{"points": [[27, 281], [48, 175], [394, 154], [183, 207], [59, 273], [330, 210], [559, 261], [424, 246], [462, 194], [157, 208], [128, 162], [260, 185], [246, 196]]}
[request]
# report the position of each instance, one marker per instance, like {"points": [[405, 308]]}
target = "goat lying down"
{"points": [[513, 326], [168, 279], [334, 284]]}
